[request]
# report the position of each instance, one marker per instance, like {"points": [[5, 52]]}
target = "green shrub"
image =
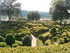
{"points": [[61, 40], [48, 42], [1, 39], [54, 39], [10, 39], [18, 42], [7, 46], [65, 48], [15, 45], [53, 31], [38, 30], [65, 40], [2, 44], [39, 42], [26, 41]]}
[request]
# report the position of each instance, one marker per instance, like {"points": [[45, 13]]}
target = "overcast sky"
{"points": [[39, 5]]}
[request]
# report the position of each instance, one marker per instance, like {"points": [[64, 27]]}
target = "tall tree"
{"points": [[10, 8], [33, 15], [37, 16], [59, 9]]}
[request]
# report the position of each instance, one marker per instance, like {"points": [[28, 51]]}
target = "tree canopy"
{"points": [[10, 8], [33, 15], [59, 9]]}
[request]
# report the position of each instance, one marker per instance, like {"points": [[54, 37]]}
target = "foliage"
{"points": [[26, 41], [39, 42], [12, 27], [53, 31], [18, 42], [1, 39], [33, 15], [36, 31], [43, 31], [15, 45], [10, 8], [10, 39], [45, 34], [7, 46], [61, 40], [59, 10], [48, 42], [65, 48], [2, 44]]}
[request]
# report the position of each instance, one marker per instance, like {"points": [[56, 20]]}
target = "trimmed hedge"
{"points": [[3, 44], [10, 39], [19, 42], [46, 49], [53, 31], [36, 31], [26, 41], [39, 42], [1, 39], [15, 45]]}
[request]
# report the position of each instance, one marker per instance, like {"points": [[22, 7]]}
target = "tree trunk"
{"points": [[0, 22], [65, 23], [61, 22]]}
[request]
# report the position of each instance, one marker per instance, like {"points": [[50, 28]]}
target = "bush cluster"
{"points": [[65, 48], [38, 30]]}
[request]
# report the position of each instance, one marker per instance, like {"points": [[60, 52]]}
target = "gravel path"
{"points": [[33, 41]]}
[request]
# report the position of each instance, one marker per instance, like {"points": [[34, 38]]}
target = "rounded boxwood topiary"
{"points": [[10, 39], [2, 44], [1, 39], [26, 41]]}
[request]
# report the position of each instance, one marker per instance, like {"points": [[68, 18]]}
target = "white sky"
{"points": [[39, 5]]}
